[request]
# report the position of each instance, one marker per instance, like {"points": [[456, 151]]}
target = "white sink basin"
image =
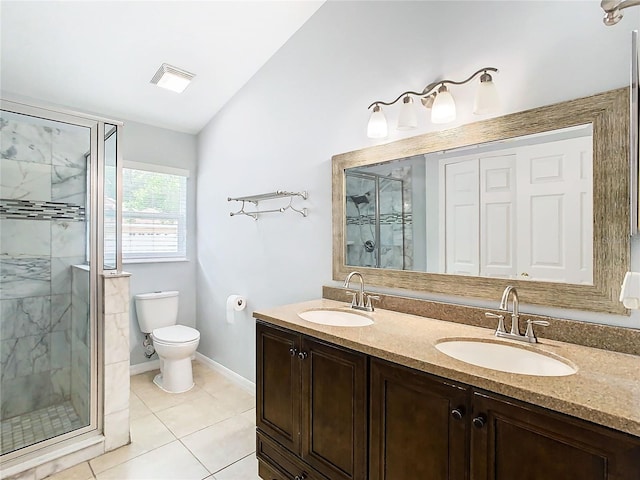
{"points": [[505, 357], [336, 318]]}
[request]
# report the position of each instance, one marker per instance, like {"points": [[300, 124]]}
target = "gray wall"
{"points": [[147, 144], [309, 103]]}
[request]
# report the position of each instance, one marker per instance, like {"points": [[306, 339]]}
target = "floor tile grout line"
{"points": [[93, 473], [144, 452], [195, 456], [232, 464]]}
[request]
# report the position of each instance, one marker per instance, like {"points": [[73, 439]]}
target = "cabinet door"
{"points": [[334, 410], [516, 441], [278, 385], [418, 426]]}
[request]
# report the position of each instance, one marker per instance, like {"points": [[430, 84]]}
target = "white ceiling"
{"points": [[99, 56]]}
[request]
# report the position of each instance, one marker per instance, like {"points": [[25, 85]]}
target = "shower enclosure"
{"points": [[52, 179], [378, 219]]}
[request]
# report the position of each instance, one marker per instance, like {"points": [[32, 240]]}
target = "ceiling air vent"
{"points": [[172, 78]]}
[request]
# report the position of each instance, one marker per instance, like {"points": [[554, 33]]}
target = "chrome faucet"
{"points": [[514, 334], [504, 305], [360, 295]]}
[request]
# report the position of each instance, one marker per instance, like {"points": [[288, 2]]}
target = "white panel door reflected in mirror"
{"points": [[521, 208]]}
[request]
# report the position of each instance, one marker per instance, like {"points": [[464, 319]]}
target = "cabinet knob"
{"points": [[302, 356], [479, 421], [293, 351], [300, 477], [458, 413]]}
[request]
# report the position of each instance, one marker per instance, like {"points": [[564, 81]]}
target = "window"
{"points": [[154, 212]]}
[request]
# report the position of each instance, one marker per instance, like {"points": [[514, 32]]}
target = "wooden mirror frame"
{"points": [[609, 114]]}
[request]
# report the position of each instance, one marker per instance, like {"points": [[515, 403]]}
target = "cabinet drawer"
{"points": [[266, 472], [282, 464]]}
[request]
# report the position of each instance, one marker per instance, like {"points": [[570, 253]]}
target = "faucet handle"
{"points": [[529, 332], [500, 319], [370, 297], [354, 302]]}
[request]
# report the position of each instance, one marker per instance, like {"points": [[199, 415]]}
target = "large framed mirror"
{"points": [[536, 199]]}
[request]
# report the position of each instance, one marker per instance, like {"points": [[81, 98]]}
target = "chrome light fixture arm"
{"points": [[613, 10], [429, 89]]}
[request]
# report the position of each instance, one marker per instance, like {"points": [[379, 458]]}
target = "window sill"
{"points": [[154, 260]]}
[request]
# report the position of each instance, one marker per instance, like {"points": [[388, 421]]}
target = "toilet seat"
{"points": [[176, 334]]}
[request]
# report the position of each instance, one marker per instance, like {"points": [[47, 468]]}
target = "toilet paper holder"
{"points": [[235, 303]]}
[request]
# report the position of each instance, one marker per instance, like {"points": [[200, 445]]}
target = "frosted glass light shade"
{"points": [[377, 127], [487, 100], [444, 108], [408, 118]]}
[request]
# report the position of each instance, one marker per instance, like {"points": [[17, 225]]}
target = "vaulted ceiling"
{"points": [[99, 56]]}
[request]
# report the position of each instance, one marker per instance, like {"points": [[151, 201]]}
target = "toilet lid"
{"points": [[176, 334]]}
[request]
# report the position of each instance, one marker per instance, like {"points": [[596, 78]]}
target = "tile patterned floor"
{"points": [[36, 426], [205, 433]]}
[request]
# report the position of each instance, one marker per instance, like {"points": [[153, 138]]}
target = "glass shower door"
{"points": [[45, 279], [361, 229], [375, 230]]}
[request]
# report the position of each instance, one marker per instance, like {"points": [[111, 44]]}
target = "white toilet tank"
{"points": [[156, 310]]}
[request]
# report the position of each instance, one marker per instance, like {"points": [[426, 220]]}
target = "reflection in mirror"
{"points": [[504, 209], [536, 199]]}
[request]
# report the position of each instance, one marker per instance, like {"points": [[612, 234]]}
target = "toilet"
{"points": [[175, 344]]}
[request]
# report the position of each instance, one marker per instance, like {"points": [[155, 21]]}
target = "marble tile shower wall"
{"points": [[42, 233]]}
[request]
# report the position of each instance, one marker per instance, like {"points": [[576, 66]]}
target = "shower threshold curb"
{"points": [[20, 465]]}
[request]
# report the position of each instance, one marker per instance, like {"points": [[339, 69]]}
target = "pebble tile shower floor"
{"points": [[36, 426]]}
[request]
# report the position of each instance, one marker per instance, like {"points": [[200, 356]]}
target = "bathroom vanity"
{"points": [[381, 402]]}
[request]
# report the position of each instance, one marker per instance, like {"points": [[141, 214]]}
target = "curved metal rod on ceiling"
{"points": [[429, 88], [613, 10]]}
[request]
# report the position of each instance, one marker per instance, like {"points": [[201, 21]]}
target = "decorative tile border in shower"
{"points": [[35, 210], [385, 219]]}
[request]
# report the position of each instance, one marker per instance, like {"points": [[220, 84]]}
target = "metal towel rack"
{"points": [[268, 196]]}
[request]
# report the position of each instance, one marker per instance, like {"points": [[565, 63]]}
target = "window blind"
{"points": [[154, 214]]}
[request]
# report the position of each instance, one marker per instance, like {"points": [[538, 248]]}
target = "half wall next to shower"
{"points": [[44, 299]]}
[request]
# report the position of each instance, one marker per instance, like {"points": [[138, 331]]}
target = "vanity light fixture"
{"points": [[437, 97], [613, 10], [377, 127], [172, 78]]}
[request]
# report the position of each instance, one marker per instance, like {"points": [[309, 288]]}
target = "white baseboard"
{"points": [[239, 380], [144, 367]]}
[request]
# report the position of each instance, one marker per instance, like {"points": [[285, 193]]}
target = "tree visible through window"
{"points": [[153, 214]]}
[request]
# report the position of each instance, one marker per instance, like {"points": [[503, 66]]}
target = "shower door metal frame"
{"points": [[96, 272]]}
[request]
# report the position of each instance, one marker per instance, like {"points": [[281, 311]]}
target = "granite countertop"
{"points": [[605, 390]]}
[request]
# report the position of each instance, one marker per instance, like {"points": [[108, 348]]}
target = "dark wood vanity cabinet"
{"points": [[311, 399], [418, 426], [428, 427], [278, 385], [312, 424], [513, 440]]}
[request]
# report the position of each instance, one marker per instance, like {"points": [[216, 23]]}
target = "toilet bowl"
{"points": [[175, 344]]}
